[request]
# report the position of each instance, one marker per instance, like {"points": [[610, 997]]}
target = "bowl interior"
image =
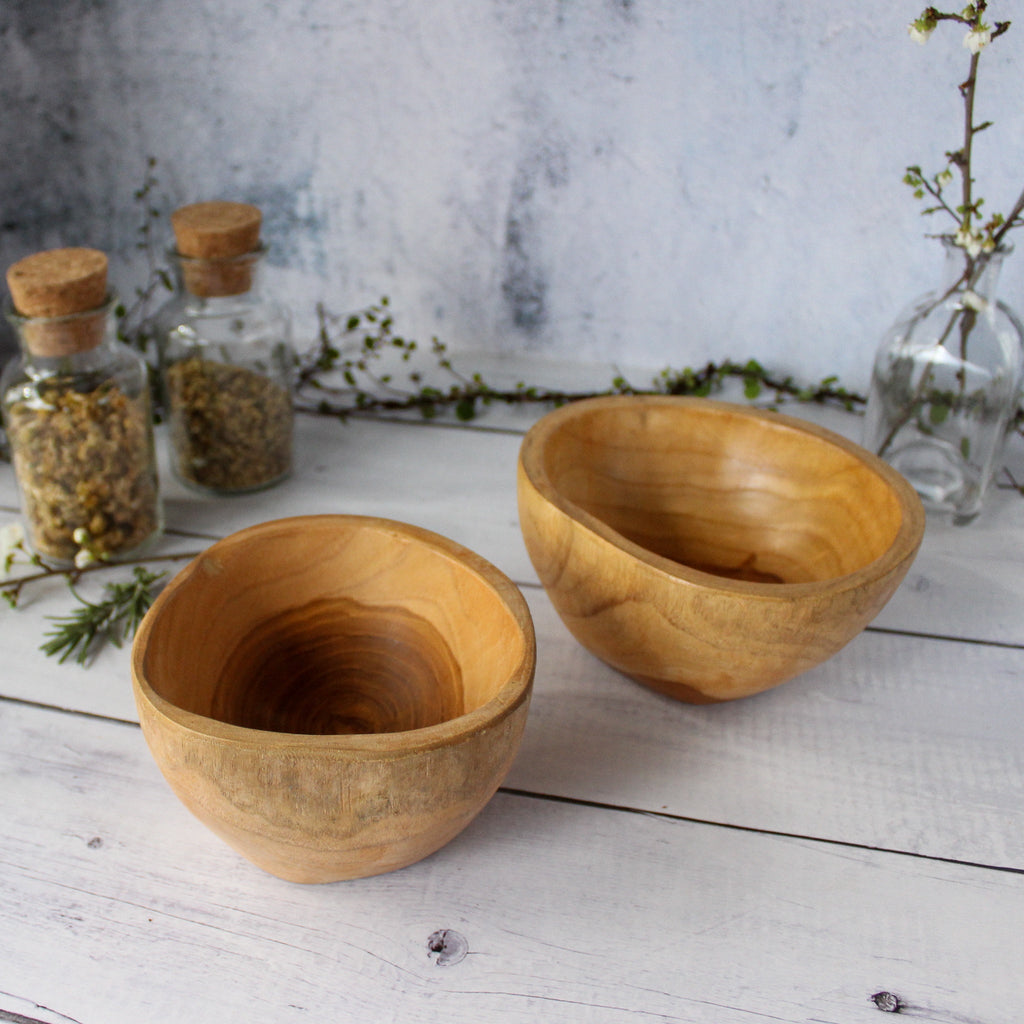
{"points": [[724, 490], [333, 625]]}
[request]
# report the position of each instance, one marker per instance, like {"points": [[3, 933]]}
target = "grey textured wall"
{"points": [[648, 181]]}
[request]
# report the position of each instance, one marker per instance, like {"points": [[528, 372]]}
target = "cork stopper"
{"points": [[62, 294], [219, 242]]}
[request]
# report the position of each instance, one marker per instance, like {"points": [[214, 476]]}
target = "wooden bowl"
{"points": [[710, 550], [335, 696]]}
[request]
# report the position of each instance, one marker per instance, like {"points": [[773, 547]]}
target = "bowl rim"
{"points": [[514, 692], [903, 548]]}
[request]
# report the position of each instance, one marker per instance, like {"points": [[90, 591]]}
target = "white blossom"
{"points": [[978, 38], [972, 241], [920, 31], [84, 558], [945, 177], [12, 536], [972, 300]]}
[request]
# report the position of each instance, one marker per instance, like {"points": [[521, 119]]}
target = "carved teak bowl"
{"points": [[335, 696], [710, 550]]}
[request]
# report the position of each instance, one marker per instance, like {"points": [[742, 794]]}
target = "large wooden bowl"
{"points": [[710, 550], [335, 696]]}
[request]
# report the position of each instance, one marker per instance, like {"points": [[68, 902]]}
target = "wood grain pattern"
{"points": [[358, 694], [708, 550], [334, 667]]}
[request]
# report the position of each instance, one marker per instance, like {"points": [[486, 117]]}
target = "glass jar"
{"points": [[946, 386], [227, 368], [77, 412]]}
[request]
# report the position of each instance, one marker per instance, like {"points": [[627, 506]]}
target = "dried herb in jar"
{"points": [[231, 427], [226, 354], [84, 462]]}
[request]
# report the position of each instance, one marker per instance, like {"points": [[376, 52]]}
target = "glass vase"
{"points": [[946, 385]]}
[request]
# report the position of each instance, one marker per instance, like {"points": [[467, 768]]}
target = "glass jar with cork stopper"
{"points": [[227, 363], [76, 408]]}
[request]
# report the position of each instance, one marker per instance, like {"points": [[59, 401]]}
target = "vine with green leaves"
{"points": [[348, 373]]}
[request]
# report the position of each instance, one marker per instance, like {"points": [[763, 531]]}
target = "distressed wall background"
{"points": [[647, 181]]}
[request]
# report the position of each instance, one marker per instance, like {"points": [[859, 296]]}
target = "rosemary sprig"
{"points": [[114, 618]]}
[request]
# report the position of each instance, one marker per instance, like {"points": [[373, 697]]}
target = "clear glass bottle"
{"points": [[946, 385], [226, 360], [77, 411]]}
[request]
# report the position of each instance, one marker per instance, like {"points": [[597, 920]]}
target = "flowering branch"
{"points": [[975, 241], [937, 412]]}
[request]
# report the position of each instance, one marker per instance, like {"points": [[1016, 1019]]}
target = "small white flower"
{"points": [[972, 241], [12, 535], [81, 536], [83, 558], [920, 31], [978, 38], [972, 300], [945, 177]]}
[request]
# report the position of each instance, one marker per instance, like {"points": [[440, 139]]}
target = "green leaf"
{"points": [[938, 412]]}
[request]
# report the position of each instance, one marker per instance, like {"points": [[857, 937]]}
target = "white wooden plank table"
{"points": [[857, 831]]}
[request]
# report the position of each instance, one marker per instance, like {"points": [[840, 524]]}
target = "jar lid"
{"points": [[218, 243], [61, 294], [216, 230], [58, 282]]}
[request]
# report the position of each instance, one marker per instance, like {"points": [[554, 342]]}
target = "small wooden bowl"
{"points": [[335, 696], [710, 550]]}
